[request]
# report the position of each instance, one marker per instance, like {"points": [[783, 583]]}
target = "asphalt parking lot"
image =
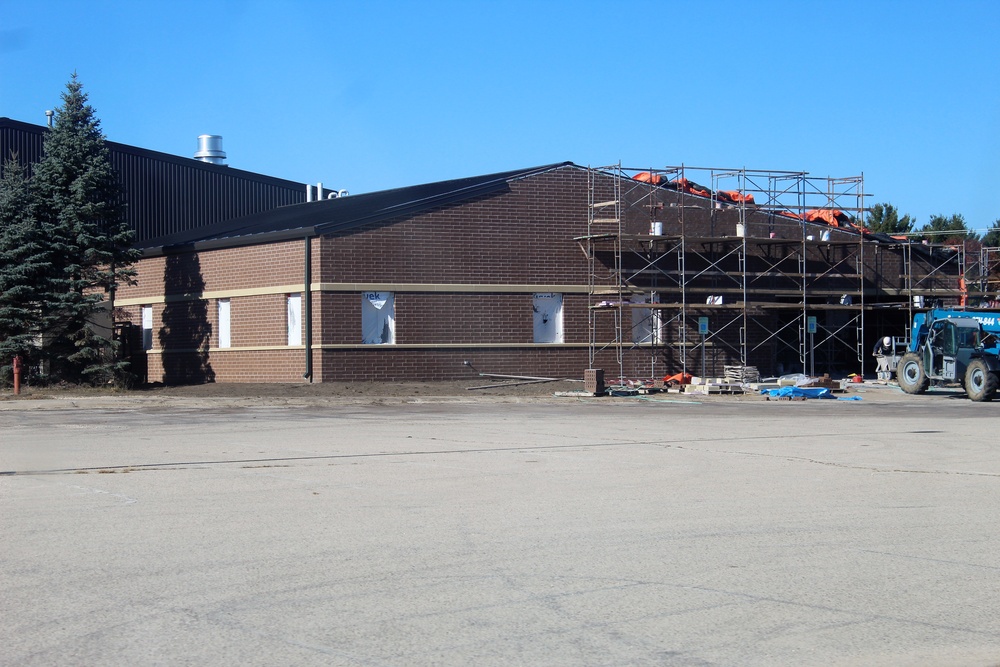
{"points": [[465, 531]]}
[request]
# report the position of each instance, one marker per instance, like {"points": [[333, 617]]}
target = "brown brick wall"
{"points": [[185, 327], [228, 366], [450, 318], [521, 236], [446, 364], [247, 267], [258, 321]]}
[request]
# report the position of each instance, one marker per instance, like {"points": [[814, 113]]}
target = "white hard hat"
{"points": [[887, 341]]}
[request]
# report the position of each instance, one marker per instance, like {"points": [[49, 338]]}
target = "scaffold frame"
{"points": [[665, 274]]}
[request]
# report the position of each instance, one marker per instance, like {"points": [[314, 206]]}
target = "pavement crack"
{"points": [[836, 464]]}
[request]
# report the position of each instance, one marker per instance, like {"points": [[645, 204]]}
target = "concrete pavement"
{"points": [[471, 532]]}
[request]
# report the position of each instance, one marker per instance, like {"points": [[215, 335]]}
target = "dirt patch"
{"points": [[455, 388], [458, 388]]}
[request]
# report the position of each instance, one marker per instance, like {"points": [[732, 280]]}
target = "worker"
{"points": [[883, 347], [883, 353]]}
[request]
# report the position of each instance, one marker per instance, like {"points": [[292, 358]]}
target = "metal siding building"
{"points": [[167, 194]]}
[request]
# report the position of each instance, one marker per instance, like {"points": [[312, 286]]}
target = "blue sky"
{"points": [[372, 95]]}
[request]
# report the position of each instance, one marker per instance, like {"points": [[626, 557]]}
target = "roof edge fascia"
{"points": [[230, 242]]}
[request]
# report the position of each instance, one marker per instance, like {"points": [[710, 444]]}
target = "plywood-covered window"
{"points": [[378, 318], [224, 323], [647, 327], [547, 317], [294, 308]]}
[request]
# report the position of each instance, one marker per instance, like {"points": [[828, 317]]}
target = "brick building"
{"points": [[402, 284], [518, 273], [543, 271]]}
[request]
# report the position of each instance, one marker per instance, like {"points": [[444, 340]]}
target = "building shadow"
{"points": [[186, 333]]}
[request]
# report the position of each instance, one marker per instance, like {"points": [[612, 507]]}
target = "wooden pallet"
{"points": [[714, 389]]}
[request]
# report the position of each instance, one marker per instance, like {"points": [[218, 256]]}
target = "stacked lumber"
{"points": [[713, 386], [741, 374]]}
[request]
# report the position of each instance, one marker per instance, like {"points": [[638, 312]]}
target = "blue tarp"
{"points": [[805, 392]]}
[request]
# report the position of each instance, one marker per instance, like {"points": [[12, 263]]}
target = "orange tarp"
{"points": [[682, 184], [691, 187], [830, 216], [646, 177], [734, 196], [679, 378]]}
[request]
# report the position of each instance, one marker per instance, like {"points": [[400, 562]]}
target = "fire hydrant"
{"points": [[17, 375]]}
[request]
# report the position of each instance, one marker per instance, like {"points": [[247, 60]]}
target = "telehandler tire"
{"points": [[910, 374], [980, 382]]}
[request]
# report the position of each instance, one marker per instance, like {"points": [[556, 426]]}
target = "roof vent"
{"points": [[210, 149]]}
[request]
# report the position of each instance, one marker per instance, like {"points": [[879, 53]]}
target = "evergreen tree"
{"points": [[884, 219], [992, 237], [80, 206], [948, 229], [24, 264]]}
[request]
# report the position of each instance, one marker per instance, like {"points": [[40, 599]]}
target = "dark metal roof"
{"points": [[169, 194], [342, 214]]}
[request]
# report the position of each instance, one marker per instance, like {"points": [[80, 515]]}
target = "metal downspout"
{"points": [[307, 309]]}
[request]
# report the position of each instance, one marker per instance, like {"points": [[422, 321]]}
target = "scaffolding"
{"points": [[989, 277], [956, 275], [692, 277]]}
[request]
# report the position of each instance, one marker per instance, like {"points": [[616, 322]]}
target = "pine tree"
{"points": [[80, 206], [884, 218], [992, 237], [24, 264], [948, 229]]}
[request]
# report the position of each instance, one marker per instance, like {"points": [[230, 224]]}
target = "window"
{"points": [[294, 319], [147, 327], [547, 316], [968, 337], [646, 324], [378, 318], [950, 342], [223, 322]]}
